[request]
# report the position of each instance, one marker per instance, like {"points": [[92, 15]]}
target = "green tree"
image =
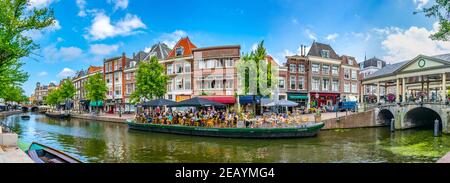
{"points": [[96, 88], [67, 90], [13, 94], [254, 62], [53, 98], [16, 19], [151, 81], [441, 11]]}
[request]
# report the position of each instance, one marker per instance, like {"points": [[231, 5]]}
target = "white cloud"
{"points": [[40, 3], [103, 49], [81, 5], [42, 74], [66, 72], [332, 37], [119, 4], [102, 28], [407, 44], [254, 46], [53, 54], [170, 39], [59, 39], [311, 35], [420, 3]]}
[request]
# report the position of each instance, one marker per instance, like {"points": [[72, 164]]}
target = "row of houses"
{"points": [[319, 77]]}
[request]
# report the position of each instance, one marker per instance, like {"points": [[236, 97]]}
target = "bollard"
{"points": [[436, 128], [392, 125]]}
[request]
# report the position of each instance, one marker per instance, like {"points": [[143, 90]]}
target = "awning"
{"points": [[95, 104], [221, 99], [248, 99], [297, 97]]}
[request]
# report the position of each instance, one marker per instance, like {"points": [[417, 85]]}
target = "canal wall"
{"points": [[357, 120], [98, 118], [8, 113]]}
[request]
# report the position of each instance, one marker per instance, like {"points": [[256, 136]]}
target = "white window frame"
{"points": [[292, 81]]}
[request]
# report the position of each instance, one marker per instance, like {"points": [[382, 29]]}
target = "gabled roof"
{"points": [[346, 58], [186, 44], [160, 50], [316, 49], [373, 62], [393, 68], [93, 69], [140, 56]]}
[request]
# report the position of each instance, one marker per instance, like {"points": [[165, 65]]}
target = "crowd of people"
{"points": [[220, 118]]}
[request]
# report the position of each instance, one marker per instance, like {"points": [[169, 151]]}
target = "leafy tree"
{"points": [[53, 97], [151, 81], [16, 19], [441, 11], [96, 88], [67, 90], [13, 94], [256, 72]]}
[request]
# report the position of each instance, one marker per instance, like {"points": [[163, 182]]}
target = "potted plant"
{"points": [[318, 116]]}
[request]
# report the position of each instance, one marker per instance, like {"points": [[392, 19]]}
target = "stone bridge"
{"points": [[410, 115]]}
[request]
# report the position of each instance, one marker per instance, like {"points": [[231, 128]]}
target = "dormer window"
{"points": [[350, 62], [379, 64], [325, 53], [179, 51]]}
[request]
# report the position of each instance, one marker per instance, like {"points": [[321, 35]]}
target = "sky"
{"points": [[87, 31]]}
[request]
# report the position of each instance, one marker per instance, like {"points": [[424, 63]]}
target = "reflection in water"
{"points": [[110, 142]]}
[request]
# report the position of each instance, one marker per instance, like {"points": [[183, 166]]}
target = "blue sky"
{"points": [[87, 31]]}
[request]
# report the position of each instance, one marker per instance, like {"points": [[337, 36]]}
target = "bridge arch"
{"points": [[422, 116], [34, 109], [384, 116]]}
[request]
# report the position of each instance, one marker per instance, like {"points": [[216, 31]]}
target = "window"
{"points": [[169, 86], [315, 68], [210, 64], [116, 65], [325, 84], [187, 67], [350, 62], [169, 69], [354, 75], [179, 83], [110, 66], [354, 88], [128, 76], [187, 83], [292, 80], [219, 63], [325, 69], [201, 64], [118, 90], [315, 84], [199, 85], [335, 70], [346, 74], [325, 53], [301, 83], [230, 62], [379, 64], [346, 88], [179, 68], [301, 68], [335, 85], [179, 51], [229, 84], [117, 77], [281, 83], [292, 68]]}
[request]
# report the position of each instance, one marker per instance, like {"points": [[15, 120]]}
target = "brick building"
{"points": [[80, 79], [215, 73], [114, 75]]}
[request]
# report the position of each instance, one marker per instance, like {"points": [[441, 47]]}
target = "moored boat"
{"points": [[25, 117], [308, 130], [57, 115], [40, 153]]}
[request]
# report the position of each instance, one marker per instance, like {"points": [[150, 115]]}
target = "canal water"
{"points": [[93, 141]]}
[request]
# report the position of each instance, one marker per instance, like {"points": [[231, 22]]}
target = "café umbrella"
{"points": [[158, 102], [196, 102]]}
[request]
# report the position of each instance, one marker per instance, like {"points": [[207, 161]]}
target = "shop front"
{"points": [[300, 98], [324, 99]]}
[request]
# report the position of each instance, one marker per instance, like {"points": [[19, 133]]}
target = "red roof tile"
{"points": [[186, 44]]}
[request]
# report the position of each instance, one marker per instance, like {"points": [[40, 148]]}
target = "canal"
{"points": [[93, 141]]}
